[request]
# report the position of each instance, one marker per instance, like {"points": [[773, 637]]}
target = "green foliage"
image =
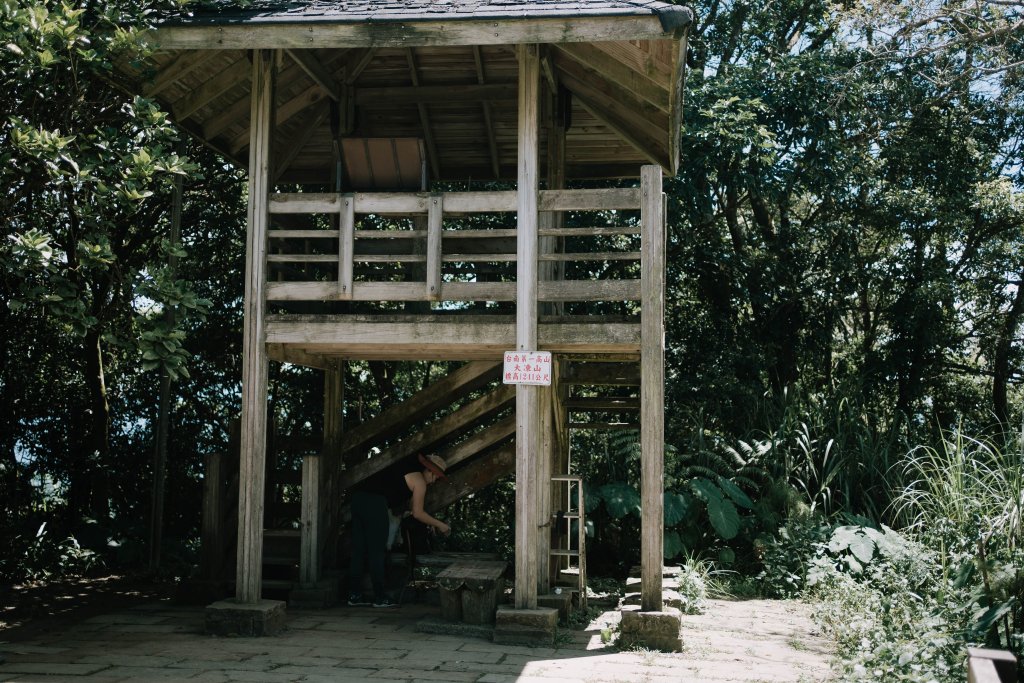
{"points": [[42, 556]]}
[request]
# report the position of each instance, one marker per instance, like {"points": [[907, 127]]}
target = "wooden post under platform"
{"points": [[652, 387], [528, 428]]}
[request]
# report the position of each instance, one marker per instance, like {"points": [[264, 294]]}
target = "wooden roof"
{"points": [[440, 71]]}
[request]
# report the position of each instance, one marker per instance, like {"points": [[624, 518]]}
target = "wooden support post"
{"points": [[560, 462], [527, 397], [346, 244], [212, 547], [309, 528], [435, 213], [544, 468], [334, 411], [252, 474], [553, 220], [652, 387]]}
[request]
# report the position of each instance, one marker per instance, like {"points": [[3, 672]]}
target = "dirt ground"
{"points": [[33, 608]]}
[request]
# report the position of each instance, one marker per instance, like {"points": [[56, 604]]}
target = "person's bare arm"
{"points": [[418, 486]]}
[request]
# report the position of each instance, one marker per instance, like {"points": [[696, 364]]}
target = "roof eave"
{"points": [[309, 34]]}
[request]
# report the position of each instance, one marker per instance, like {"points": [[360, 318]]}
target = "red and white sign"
{"points": [[527, 367]]}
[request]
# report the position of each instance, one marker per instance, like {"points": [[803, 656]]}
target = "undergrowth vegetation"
{"points": [[908, 558]]}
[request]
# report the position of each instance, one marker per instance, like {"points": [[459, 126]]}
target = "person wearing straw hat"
{"points": [[396, 487]]}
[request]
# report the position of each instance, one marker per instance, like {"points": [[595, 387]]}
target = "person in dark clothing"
{"points": [[390, 489]]}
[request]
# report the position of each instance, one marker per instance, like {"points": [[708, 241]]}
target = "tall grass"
{"points": [[970, 483]]}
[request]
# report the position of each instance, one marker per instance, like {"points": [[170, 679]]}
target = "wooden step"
{"points": [[602, 404], [603, 374], [604, 426]]}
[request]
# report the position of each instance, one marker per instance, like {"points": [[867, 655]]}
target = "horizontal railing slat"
{"points": [[547, 290], [455, 202]]}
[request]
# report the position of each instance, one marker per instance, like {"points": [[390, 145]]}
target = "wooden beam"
{"points": [[346, 245], [419, 338], [644, 127], [252, 469], [408, 203], [435, 212], [605, 426], [436, 94], [283, 353], [652, 388], [428, 134], [444, 428], [676, 104], [288, 150], [357, 64], [603, 374], [554, 291], [480, 441], [316, 35], [209, 91], [477, 475], [492, 144], [309, 97], [602, 405], [421, 405], [603, 65], [308, 62], [184, 64], [528, 436]]}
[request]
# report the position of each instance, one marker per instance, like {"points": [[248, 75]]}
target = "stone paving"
{"points": [[733, 641]]}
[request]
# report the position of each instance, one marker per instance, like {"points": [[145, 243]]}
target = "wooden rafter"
{"points": [[285, 111], [492, 143], [642, 87], [308, 62], [355, 67], [420, 406], [428, 134], [288, 150], [640, 124], [183, 65], [215, 87], [618, 102], [478, 474], [676, 98], [239, 109]]}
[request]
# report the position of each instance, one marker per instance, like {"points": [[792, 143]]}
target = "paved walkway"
{"points": [[734, 641]]}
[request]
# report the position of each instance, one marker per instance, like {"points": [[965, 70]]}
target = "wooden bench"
{"points": [[470, 590]]}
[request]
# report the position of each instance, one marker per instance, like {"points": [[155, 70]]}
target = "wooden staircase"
{"points": [[468, 418]]}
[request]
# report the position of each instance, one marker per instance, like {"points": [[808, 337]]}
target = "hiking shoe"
{"points": [[383, 602], [357, 600]]}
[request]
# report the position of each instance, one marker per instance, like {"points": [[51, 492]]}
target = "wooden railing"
{"points": [[321, 262]]}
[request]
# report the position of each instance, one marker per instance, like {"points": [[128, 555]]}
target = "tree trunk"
{"points": [[1001, 363], [96, 458]]}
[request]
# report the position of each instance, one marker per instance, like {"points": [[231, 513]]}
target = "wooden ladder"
{"points": [[574, 548]]}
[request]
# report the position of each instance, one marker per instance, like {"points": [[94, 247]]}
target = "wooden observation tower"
{"points": [[367, 105]]}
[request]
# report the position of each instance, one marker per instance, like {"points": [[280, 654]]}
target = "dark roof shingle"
{"points": [[355, 11]]}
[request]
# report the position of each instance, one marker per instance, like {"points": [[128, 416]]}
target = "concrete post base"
{"points": [[233, 618], [559, 601], [652, 630], [535, 627]]}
